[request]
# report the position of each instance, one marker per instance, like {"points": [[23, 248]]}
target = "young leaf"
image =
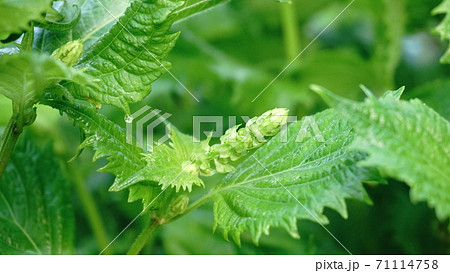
{"points": [[130, 56], [153, 197], [444, 27], [170, 166], [318, 174], [96, 18], [25, 77], [16, 15], [35, 204], [64, 25], [194, 7], [162, 204], [407, 140]]}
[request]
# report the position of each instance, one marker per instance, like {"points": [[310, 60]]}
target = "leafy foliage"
{"points": [[407, 140], [26, 76], [152, 196], [106, 138], [379, 43], [181, 164], [126, 161], [129, 57], [17, 15], [96, 19], [35, 204], [169, 166], [257, 195], [444, 27], [61, 22]]}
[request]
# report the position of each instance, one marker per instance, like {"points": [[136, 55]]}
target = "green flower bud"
{"points": [[245, 139], [230, 135], [207, 171], [204, 166], [189, 167], [222, 166], [178, 206], [221, 150], [69, 53], [271, 121], [236, 143]]}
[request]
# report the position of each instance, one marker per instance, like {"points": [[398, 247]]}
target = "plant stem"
{"points": [[143, 238], [290, 30], [8, 141], [388, 49], [147, 233], [90, 208]]}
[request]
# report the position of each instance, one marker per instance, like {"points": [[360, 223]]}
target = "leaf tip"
{"points": [[329, 97], [393, 95], [367, 91], [236, 235]]}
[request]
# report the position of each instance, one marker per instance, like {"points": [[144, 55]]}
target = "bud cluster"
{"points": [[236, 143], [199, 164]]}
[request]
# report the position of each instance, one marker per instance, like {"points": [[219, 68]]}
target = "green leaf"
{"points": [[162, 204], [130, 56], [97, 17], [125, 160], [17, 15], [153, 197], [60, 26], [26, 76], [318, 174], [35, 204], [194, 7], [169, 165], [106, 138], [407, 140], [444, 27]]}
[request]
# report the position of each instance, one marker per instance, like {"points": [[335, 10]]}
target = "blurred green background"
{"points": [[226, 56]]}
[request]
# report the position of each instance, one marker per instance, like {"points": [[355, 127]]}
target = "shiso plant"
{"points": [[79, 56]]}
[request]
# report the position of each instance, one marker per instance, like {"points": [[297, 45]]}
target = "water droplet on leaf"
{"points": [[128, 119]]}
